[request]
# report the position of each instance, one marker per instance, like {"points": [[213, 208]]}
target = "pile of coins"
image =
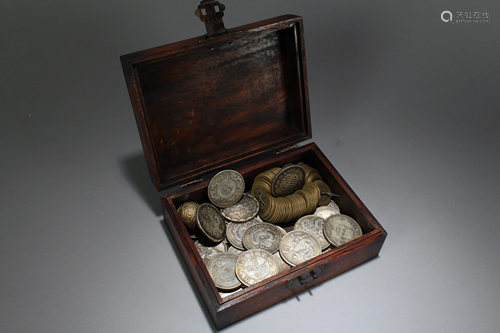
{"points": [[290, 192], [241, 248]]}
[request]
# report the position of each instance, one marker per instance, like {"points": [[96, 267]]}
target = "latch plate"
{"points": [[306, 278]]}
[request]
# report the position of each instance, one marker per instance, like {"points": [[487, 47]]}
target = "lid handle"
{"points": [[211, 12]]}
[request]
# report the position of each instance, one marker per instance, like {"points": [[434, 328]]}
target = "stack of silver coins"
{"points": [[239, 249]]}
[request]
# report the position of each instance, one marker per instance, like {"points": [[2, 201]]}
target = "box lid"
{"points": [[206, 102]]}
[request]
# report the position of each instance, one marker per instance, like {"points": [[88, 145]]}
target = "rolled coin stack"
{"points": [[282, 209]]}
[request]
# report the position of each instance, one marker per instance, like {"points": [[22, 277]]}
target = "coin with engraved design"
{"points": [[222, 270], [340, 229], [226, 188], [288, 180], [211, 222], [235, 232], [299, 246], [255, 265], [264, 236], [314, 225], [243, 211]]}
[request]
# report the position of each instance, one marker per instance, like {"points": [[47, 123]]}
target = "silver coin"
{"points": [[299, 246], [288, 180], [225, 294], [210, 222], [244, 210], [221, 246], [234, 250], [283, 231], [340, 229], [264, 236], [314, 225], [325, 212], [334, 206], [235, 232], [222, 270], [254, 266], [281, 264], [206, 253], [226, 188]]}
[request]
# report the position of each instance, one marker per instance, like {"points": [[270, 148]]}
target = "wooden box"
{"points": [[235, 101]]}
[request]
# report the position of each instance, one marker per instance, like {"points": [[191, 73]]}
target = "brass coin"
{"points": [[226, 188], [266, 206], [288, 180], [211, 222], [243, 211], [299, 246], [187, 212], [222, 270], [312, 177], [340, 229], [255, 265], [260, 187], [323, 187]]}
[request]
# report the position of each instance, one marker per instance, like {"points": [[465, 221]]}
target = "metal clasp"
{"points": [[211, 12], [306, 278]]}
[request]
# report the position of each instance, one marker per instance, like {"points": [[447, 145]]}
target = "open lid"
{"points": [[206, 102]]}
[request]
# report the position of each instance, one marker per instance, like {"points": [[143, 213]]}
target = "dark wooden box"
{"points": [[235, 101]]}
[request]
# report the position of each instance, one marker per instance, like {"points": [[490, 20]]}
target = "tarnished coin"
{"points": [[255, 265], [314, 225], [235, 232], [206, 253], [299, 246], [211, 222], [244, 210], [264, 236], [187, 212], [282, 266], [340, 229], [288, 180], [222, 270], [325, 212], [226, 188]]}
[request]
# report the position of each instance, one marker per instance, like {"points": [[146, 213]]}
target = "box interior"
{"points": [[337, 185]]}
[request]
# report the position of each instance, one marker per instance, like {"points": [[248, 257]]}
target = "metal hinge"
{"points": [[306, 278], [285, 149], [191, 182]]}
